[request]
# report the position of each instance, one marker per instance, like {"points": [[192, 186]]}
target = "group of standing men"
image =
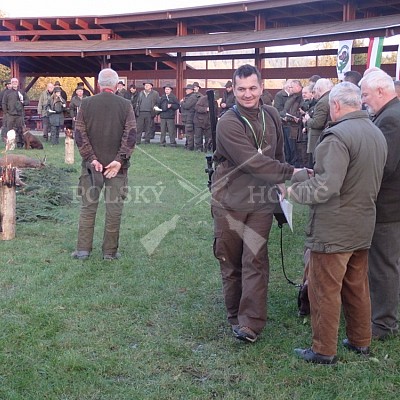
{"points": [[52, 107], [194, 109], [353, 191]]}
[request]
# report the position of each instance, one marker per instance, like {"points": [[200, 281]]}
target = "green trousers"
{"points": [[91, 184]]}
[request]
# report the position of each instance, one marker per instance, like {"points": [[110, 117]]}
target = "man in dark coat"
{"points": [[188, 104], [134, 96], [379, 95], [169, 104], [280, 100], [13, 103], [145, 113], [7, 86], [121, 91], [228, 98], [202, 125]]}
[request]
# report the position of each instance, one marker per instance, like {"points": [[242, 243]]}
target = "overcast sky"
{"points": [[46, 8]]}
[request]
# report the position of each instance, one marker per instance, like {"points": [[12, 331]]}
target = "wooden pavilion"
{"points": [[183, 45]]}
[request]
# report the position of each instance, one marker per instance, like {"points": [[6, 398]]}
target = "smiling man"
{"points": [[250, 163]]}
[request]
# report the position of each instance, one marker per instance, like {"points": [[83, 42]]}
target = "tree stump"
{"points": [[8, 202], [69, 150]]}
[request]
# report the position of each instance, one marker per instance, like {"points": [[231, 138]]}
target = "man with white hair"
{"points": [[379, 95], [341, 196], [105, 133], [317, 122]]}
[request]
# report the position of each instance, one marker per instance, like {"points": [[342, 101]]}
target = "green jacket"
{"points": [[105, 129], [349, 163]]}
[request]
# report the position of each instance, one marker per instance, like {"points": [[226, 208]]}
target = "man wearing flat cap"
{"points": [[145, 113], [188, 104], [168, 104], [228, 98], [121, 91]]}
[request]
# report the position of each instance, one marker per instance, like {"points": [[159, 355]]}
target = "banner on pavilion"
{"points": [[375, 52], [343, 63]]}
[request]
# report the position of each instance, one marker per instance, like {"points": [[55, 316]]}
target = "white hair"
{"points": [[108, 78], [323, 85], [346, 93], [378, 79]]}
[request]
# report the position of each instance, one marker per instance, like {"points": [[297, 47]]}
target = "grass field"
{"points": [[152, 324]]}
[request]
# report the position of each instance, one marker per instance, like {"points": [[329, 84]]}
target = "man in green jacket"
{"points": [[105, 133], [342, 197]]}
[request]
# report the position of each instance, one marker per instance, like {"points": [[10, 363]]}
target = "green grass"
{"points": [[152, 325]]}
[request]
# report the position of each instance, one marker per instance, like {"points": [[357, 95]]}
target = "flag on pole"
{"points": [[375, 52], [398, 64], [343, 63]]}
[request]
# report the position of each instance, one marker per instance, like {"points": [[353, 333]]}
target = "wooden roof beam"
{"points": [[81, 23], [168, 63], [27, 25], [63, 24], [9, 25], [57, 32], [44, 24]]}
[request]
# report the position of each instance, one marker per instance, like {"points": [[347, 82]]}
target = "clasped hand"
{"points": [[110, 171]]}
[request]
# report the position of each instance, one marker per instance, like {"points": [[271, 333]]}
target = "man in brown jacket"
{"points": [[250, 165]]}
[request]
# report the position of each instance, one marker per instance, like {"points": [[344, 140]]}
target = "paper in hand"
{"points": [[287, 209]]}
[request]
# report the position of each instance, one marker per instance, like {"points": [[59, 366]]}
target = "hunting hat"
{"points": [[148, 82], [7, 82], [121, 83], [168, 85], [197, 84], [133, 86], [228, 84], [78, 88], [190, 86], [57, 89], [57, 83]]}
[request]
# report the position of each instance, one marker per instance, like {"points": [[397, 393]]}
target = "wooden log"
{"points": [[69, 150], [8, 212]]}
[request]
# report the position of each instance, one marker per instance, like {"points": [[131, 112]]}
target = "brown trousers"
{"points": [[335, 280], [240, 245]]}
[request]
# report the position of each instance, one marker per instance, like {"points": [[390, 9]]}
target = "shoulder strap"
{"points": [[272, 112]]}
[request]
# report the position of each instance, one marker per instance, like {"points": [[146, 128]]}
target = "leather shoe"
{"points": [[114, 256], [316, 358], [244, 333], [80, 254], [363, 350]]}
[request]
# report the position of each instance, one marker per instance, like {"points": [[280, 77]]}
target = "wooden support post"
{"points": [[69, 150], [8, 203]]}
